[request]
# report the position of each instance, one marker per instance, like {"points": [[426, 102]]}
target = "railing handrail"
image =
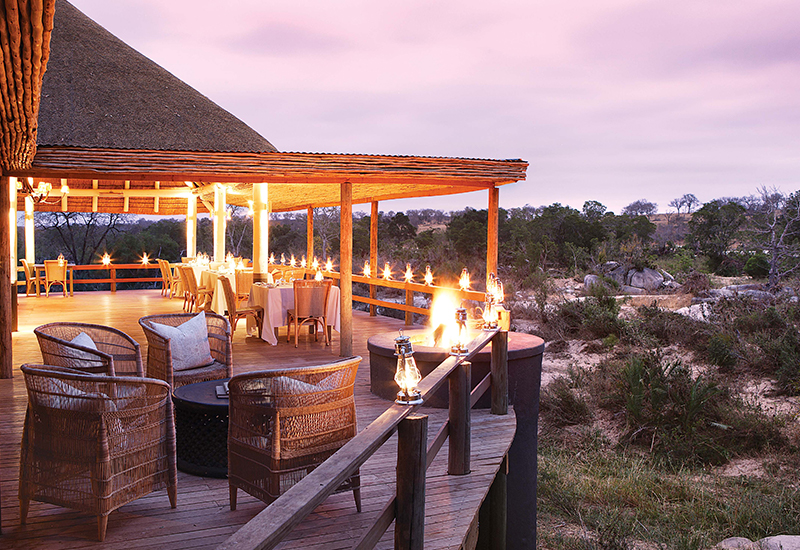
{"points": [[268, 528]]}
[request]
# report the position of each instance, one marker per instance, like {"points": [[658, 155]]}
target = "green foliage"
{"points": [[685, 419], [757, 266], [713, 228], [721, 350], [563, 404]]}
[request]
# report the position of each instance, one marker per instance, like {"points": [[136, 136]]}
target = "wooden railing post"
{"points": [[460, 438], [113, 279], [500, 373], [412, 441]]}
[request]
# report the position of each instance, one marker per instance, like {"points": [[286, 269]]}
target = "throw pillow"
{"points": [[187, 342]]}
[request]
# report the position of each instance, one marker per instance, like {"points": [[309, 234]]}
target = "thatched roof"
{"points": [[100, 92]]}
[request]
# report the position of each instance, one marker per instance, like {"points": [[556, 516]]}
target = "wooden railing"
{"points": [[407, 506], [111, 272], [409, 288]]}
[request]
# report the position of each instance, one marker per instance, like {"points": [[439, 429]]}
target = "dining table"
{"points": [[276, 301], [209, 278]]}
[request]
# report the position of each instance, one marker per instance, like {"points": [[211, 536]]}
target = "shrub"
{"points": [[757, 266], [721, 350], [696, 283], [563, 405]]}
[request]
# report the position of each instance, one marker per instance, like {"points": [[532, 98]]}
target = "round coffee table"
{"points": [[201, 429]]}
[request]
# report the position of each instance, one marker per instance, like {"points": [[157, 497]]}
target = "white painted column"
{"points": [[219, 222], [191, 226], [260, 231], [30, 243], [12, 216]]}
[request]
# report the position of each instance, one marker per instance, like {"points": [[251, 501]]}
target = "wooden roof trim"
{"points": [[271, 167]]}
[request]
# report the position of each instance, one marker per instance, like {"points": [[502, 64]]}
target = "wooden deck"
{"points": [[203, 518]]}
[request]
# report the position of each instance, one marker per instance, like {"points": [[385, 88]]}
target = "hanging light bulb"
{"points": [[428, 275], [407, 375]]}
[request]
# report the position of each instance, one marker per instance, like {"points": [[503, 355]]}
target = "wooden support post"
{"points": [[409, 302], [412, 441], [219, 222], [499, 368], [460, 438], [30, 241], [113, 274], [373, 253], [260, 232], [6, 354], [346, 269], [492, 232], [310, 236], [191, 226]]}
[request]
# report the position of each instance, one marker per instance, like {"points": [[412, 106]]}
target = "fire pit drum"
{"points": [[522, 349]]}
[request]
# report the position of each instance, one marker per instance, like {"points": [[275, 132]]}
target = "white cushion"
{"points": [[188, 343], [75, 358]]}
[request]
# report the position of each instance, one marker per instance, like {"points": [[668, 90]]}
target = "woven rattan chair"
{"points": [[284, 423], [236, 312], [198, 297], [244, 280], [168, 282], [159, 353], [116, 353], [310, 306], [55, 273], [93, 442], [31, 278]]}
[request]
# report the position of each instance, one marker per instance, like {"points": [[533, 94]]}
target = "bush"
{"points": [[563, 405], [696, 283], [757, 266], [721, 350]]}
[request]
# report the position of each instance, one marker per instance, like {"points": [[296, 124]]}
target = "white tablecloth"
{"points": [[277, 301]]}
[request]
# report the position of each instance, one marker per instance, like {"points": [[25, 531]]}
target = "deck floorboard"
{"points": [[203, 518]]}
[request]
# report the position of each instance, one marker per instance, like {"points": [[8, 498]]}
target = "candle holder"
{"points": [[459, 349], [407, 375]]}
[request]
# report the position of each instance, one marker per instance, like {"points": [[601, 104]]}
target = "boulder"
{"points": [[609, 267], [648, 279], [735, 543], [633, 290], [779, 542], [590, 280], [757, 294], [618, 274], [698, 312], [667, 276]]}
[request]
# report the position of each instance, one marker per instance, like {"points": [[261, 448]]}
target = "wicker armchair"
{"points": [[95, 443], [284, 423], [115, 352], [159, 352], [310, 306]]}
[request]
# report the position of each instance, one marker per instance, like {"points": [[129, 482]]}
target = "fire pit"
{"points": [[522, 349]]}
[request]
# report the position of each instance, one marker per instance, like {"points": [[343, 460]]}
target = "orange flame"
{"points": [[387, 271], [367, 272], [463, 281], [303, 262], [329, 265], [409, 275], [318, 276], [315, 263], [106, 259], [428, 275]]}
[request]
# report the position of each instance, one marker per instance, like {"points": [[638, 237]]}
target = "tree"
{"points": [[775, 229], [688, 202], [239, 229], [593, 211], [713, 228], [641, 207], [79, 235], [326, 227]]}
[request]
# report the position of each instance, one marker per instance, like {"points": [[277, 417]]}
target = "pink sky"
{"points": [[607, 100]]}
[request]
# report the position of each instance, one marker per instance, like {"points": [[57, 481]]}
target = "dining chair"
{"points": [[244, 280], [198, 297], [168, 282], [55, 273], [284, 423], [235, 311], [31, 278], [95, 443], [310, 306]]}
